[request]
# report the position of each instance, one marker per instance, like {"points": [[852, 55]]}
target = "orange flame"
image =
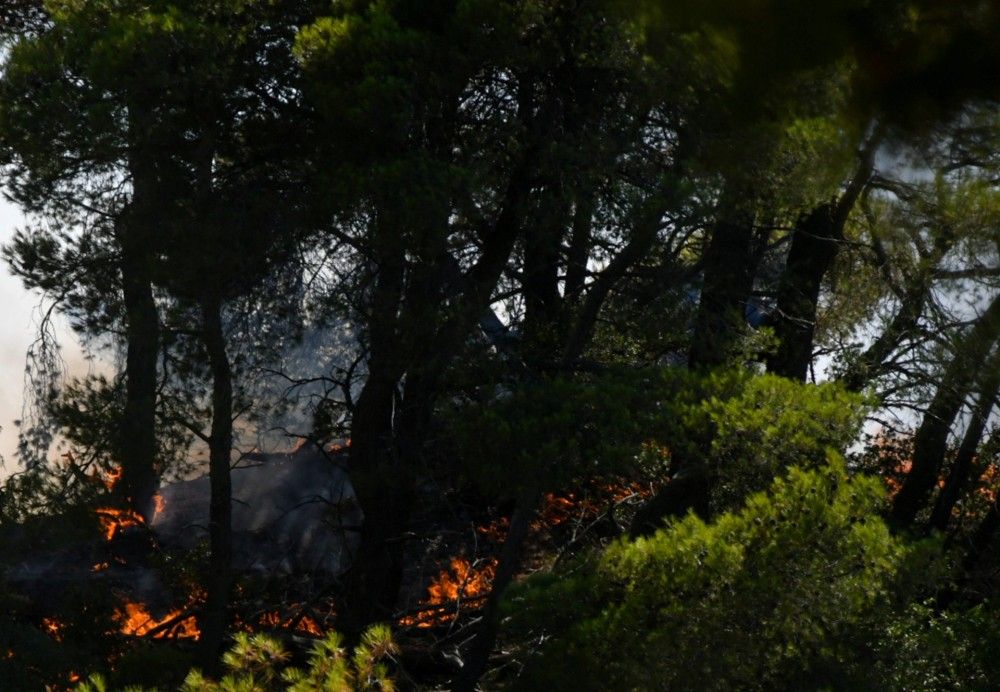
{"points": [[136, 621], [112, 477], [305, 625], [159, 504], [113, 519], [460, 581], [53, 627]]}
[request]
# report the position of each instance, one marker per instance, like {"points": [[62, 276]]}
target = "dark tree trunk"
{"points": [[931, 440], [137, 445], [643, 237], [961, 468], [816, 242], [542, 247], [728, 280], [372, 583], [689, 491], [579, 246], [382, 489], [813, 251], [220, 508]]}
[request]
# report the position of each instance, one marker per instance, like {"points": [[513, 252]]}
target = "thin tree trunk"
{"points": [[913, 299], [961, 467], [579, 245], [511, 554], [643, 237], [220, 509], [931, 439]]}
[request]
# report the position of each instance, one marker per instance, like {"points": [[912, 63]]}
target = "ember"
{"points": [[112, 477], [303, 625], [461, 581], [53, 627], [136, 621]]}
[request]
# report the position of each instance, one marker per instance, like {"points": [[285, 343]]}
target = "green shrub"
{"points": [[259, 663], [778, 595]]}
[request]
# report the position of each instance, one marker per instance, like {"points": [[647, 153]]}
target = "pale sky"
{"points": [[17, 330]]}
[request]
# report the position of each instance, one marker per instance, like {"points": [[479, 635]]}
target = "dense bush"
{"points": [[743, 428], [778, 595]]}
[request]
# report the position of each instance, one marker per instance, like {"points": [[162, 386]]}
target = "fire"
{"points": [[305, 624], [112, 477], [462, 580], [159, 504], [136, 621], [113, 519], [53, 627]]}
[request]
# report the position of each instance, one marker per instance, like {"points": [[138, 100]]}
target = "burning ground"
{"points": [[140, 586]]}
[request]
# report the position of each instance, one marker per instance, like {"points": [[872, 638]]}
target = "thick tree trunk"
{"points": [[220, 509], [813, 251], [382, 489], [542, 247], [728, 280], [372, 582], [961, 467], [931, 440], [137, 445], [816, 242]]}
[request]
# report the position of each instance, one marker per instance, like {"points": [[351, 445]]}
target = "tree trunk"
{"points": [[373, 581], [814, 248], [728, 280], [870, 363], [542, 247], [816, 242], [220, 508], [913, 297], [137, 445], [478, 656], [579, 245], [931, 440]]}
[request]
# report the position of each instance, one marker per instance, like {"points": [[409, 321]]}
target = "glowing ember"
{"points": [[159, 503], [305, 625], [113, 519], [99, 566], [136, 621], [461, 581], [112, 477], [53, 627]]}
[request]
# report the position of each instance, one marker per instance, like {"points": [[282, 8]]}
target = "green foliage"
{"points": [[776, 595], [930, 649], [259, 662], [744, 428]]}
